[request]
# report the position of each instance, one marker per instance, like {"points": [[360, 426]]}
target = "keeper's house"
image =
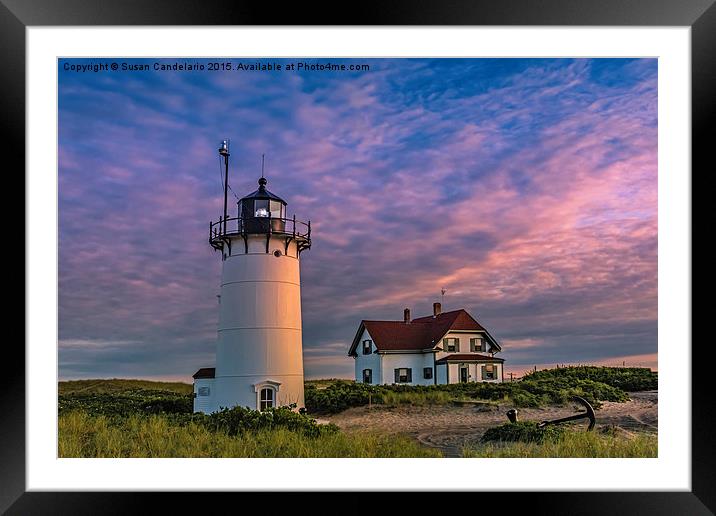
{"points": [[443, 348]]}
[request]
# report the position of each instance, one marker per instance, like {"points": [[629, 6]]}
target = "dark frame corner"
{"points": [[700, 15]]}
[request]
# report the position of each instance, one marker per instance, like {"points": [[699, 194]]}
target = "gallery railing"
{"points": [[222, 230]]}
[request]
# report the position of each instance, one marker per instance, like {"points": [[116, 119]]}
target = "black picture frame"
{"points": [[17, 15]]}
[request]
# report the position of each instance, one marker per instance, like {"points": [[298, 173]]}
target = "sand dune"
{"points": [[450, 427]]}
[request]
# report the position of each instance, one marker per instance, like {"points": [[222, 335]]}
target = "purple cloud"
{"points": [[526, 187]]}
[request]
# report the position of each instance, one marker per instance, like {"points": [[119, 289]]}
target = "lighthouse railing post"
{"points": [[268, 235]]}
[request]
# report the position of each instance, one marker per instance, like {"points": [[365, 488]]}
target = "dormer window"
{"points": [[451, 345], [477, 344], [367, 347]]}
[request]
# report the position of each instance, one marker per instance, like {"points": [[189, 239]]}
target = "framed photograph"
{"points": [[492, 207]]}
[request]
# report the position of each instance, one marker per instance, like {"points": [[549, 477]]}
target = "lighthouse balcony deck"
{"points": [[221, 231]]}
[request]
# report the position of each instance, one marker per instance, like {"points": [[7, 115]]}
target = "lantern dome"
{"points": [[262, 203]]}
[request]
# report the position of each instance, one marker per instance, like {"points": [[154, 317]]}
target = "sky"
{"points": [[527, 188]]}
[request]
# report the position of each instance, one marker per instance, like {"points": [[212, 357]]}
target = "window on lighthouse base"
{"points": [[266, 394], [266, 399]]}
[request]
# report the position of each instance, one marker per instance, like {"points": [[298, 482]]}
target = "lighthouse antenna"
{"points": [[224, 151], [262, 164]]}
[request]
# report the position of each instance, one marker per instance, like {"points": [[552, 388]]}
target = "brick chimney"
{"points": [[437, 308], [406, 315]]}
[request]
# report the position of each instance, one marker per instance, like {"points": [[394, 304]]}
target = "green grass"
{"points": [[523, 431], [554, 386], [624, 378], [571, 444], [134, 418], [393, 399], [322, 383], [116, 385], [82, 435], [138, 418], [127, 402]]}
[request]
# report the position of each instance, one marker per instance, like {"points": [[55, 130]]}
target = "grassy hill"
{"points": [[116, 385], [141, 418]]}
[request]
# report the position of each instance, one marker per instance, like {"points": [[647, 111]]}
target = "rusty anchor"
{"points": [[589, 413]]}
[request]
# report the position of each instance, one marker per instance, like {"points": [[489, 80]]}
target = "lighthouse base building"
{"points": [[259, 357]]}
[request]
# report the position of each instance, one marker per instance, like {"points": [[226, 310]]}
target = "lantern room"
{"points": [[260, 208]]}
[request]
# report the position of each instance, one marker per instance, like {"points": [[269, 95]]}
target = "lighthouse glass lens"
{"points": [[261, 208], [276, 212]]}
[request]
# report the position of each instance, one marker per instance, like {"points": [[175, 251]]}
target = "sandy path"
{"points": [[449, 427]]}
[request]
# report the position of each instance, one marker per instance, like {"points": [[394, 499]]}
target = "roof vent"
{"points": [[406, 315], [437, 308]]}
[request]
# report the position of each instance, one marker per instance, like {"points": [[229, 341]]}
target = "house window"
{"points": [[428, 373], [477, 344], [403, 375], [367, 376], [203, 391], [266, 400], [489, 372], [367, 347], [451, 345]]}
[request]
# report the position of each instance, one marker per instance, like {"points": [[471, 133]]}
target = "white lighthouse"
{"points": [[259, 358]]}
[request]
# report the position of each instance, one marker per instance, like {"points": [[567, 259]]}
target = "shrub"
{"points": [[337, 397], [522, 431], [133, 401], [624, 378], [533, 391], [236, 420]]}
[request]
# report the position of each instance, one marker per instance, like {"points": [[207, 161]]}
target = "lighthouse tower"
{"points": [[259, 359]]}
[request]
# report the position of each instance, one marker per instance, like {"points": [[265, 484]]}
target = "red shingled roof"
{"points": [[419, 334], [205, 372], [464, 357]]}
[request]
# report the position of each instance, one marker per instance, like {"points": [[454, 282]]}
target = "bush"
{"points": [[337, 397], [624, 378], [522, 431], [236, 420], [534, 391], [133, 401]]}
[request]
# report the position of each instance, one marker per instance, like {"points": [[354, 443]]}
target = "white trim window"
{"points": [[267, 398], [367, 347], [367, 376], [489, 372], [477, 344], [451, 345], [403, 375]]}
